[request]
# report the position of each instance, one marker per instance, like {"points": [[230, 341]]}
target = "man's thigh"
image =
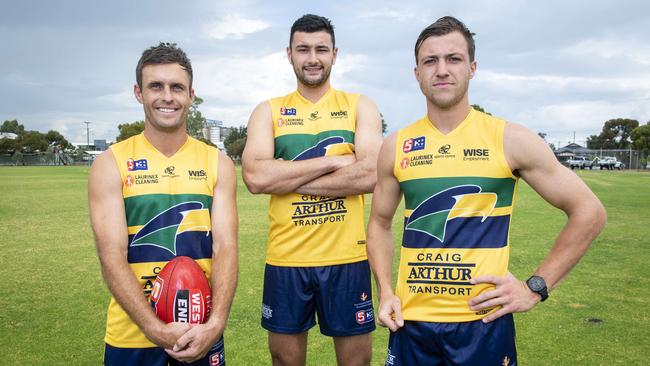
{"points": [[344, 299], [288, 305]]}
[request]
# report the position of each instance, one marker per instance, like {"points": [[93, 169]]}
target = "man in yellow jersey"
{"points": [[153, 197], [315, 152], [458, 170]]}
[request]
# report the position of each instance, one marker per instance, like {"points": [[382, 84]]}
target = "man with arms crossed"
{"points": [[315, 151], [153, 197], [458, 171]]}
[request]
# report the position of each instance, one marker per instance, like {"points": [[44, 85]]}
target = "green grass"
{"points": [[53, 303]]}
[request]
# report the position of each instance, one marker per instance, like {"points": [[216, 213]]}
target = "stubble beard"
{"points": [[313, 83], [446, 103]]}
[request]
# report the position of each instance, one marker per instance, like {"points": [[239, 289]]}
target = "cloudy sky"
{"points": [[554, 66]]}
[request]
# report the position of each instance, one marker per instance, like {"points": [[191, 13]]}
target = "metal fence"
{"points": [[40, 159], [633, 159]]}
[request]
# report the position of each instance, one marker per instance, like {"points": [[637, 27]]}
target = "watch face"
{"points": [[536, 283]]}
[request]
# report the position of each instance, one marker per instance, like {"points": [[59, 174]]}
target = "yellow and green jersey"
{"points": [[167, 202], [459, 193], [310, 230]]}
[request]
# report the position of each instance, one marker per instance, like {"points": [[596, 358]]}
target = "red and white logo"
{"points": [[215, 359], [157, 288], [129, 180], [404, 163], [361, 316]]}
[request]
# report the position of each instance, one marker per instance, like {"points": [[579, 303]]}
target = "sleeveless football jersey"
{"points": [[459, 193], [167, 202], [309, 230]]}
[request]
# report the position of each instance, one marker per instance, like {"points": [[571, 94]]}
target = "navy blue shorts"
{"points": [[341, 295], [156, 356], [466, 344]]}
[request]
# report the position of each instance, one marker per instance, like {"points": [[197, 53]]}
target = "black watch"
{"points": [[537, 285]]}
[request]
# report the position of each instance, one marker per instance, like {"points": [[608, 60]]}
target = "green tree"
{"points": [[235, 142], [195, 120], [594, 142], [616, 133], [480, 109], [17, 158], [129, 129], [55, 138], [9, 145], [12, 126], [34, 141], [543, 136], [641, 137]]}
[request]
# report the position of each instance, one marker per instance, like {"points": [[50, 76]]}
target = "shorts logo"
{"points": [[506, 361], [267, 312], [404, 163], [133, 165], [444, 149], [390, 359], [288, 111], [364, 316], [415, 144], [364, 296], [216, 359]]}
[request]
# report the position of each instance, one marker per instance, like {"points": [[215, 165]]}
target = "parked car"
{"points": [[610, 162], [580, 162]]}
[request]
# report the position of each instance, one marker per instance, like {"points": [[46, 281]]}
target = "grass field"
{"points": [[53, 300]]}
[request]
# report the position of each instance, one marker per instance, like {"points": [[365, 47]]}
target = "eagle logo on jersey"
{"points": [[162, 230], [431, 216], [320, 149]]}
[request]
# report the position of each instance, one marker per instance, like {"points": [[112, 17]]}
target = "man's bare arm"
{"points": [[108, 219], [360, 177], [380, 248], [263, 173], [528, 155], [197, 342]]}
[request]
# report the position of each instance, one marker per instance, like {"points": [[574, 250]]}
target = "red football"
{"points": [[181, 292]]}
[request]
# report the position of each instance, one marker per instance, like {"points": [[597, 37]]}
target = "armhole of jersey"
{"points": [[214, 163], [501, 151], [396, 171], [116, 159], [274, 117], [354, 109]]}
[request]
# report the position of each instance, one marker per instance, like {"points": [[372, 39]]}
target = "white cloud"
{"points": [[234, 26], [401, 14], [232, 86], [608, 48]]}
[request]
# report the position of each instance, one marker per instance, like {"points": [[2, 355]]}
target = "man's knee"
{"points": [[288, 349]]}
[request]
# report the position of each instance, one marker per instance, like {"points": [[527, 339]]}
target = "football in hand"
{"points": [[181, 292]]}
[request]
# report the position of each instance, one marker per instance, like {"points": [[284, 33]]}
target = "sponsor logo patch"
{"points": [[313, 116], [197, 174], [129, 180], [133, 165], [267, 312], [288, 111], [339, 114], [414, 144]]}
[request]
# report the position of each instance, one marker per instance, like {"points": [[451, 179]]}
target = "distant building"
{"points": [[214, 131], [572, 150], [8, 135]]}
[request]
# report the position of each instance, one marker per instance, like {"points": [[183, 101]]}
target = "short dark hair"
{"points": [[443, 26], [310, 23], [163, 53]]}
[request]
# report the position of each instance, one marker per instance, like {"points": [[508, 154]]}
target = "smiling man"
{"points": [[153, 197], [315, 151], [458, 170]]}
